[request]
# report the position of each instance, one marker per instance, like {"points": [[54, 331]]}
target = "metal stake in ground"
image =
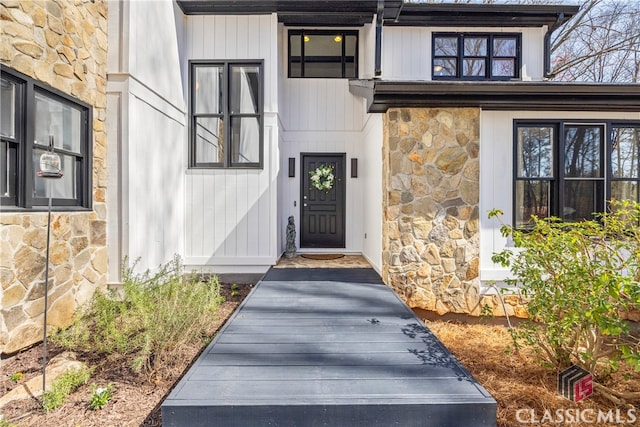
{"points": [[49, 169]]}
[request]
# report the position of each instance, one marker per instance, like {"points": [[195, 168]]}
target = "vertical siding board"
{"points": [[231, 214], [242, 225], [253, 215], [197, 34], [218, 41], [218, 188], [208, 39], [268, 182], [232, 38], [242, 42], [196, 212], [208, 199]]}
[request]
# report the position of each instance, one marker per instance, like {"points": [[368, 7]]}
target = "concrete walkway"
{"points": [[326, 347]]}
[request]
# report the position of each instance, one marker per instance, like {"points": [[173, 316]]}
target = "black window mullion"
{"points": [[559, 169], [490, 56], [27, 158], [302, 54], [343, 58], [460, 58], [226, 108]]}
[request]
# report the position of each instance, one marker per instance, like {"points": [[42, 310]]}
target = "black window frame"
{"points": [[343, 59], [559, 177], [21, 147], [226, 114], [488, 58]]}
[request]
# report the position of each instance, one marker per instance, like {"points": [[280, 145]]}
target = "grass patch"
{"points": [[63, 386], [152, 316]]}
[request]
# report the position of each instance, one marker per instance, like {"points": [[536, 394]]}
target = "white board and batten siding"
{"points": [[371, 174], [496, 175], [231, 223], [406, 51], [146, 139], [321, 116]]}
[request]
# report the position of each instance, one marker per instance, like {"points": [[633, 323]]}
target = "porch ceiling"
{"points": [[396, 12], [382, 95]]}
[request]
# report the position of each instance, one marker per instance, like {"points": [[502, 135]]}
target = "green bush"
{"points": [[153, 315], [579, 277], [63, 386]]}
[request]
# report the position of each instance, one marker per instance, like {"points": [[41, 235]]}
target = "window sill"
{"points": [[39, 209]]}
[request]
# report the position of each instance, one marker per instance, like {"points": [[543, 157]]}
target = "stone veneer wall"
{"points": [[62, 43], [431, 238]]}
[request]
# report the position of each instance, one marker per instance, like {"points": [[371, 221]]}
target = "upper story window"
{"points": [[475, 56], [569, 170], [226, 114], [323, 54], [32, 115]]}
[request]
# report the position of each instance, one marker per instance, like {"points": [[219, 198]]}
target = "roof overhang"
{"points": [[512, 95], [396, 12], [477, 15]]}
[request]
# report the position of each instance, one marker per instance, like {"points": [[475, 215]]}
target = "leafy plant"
{"points": [[16, 377], [154, 314], [63, 386], [234, 290], [100, 396], [579, 277]]}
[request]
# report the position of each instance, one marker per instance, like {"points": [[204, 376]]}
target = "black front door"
{"points": [[322, 211]]}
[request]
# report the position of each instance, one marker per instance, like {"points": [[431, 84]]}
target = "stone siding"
{"points": [[431, 239], [63, 44]]}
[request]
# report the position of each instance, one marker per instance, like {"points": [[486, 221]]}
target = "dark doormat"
{"points": [[353, 275], [322, 257]]}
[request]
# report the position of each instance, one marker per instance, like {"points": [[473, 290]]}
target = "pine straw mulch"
{"points": [[517, 381], [137, 398], [514, 379]]}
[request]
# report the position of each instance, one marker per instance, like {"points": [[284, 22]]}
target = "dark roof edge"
{"points": [[382, 95], [395, 12], [505, 15]]}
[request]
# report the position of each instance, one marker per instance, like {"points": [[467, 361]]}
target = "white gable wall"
{"points": [[231, 223], [406, 51], [496, 174], [146, 120]]}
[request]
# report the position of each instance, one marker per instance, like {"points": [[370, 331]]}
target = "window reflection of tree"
{"points": [[625, 168], [537, 159], [583, 186]]}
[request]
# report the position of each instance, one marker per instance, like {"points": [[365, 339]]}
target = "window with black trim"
{"points": [[476, 56], [570, 169], [32, 115], [323, 54], [226, 113]]}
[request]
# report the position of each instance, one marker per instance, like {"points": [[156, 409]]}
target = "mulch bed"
{"points": [[137, 398]]}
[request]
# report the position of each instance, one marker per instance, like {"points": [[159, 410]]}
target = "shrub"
{"points": [[154, 314], [579, 277], [63, 386]]}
